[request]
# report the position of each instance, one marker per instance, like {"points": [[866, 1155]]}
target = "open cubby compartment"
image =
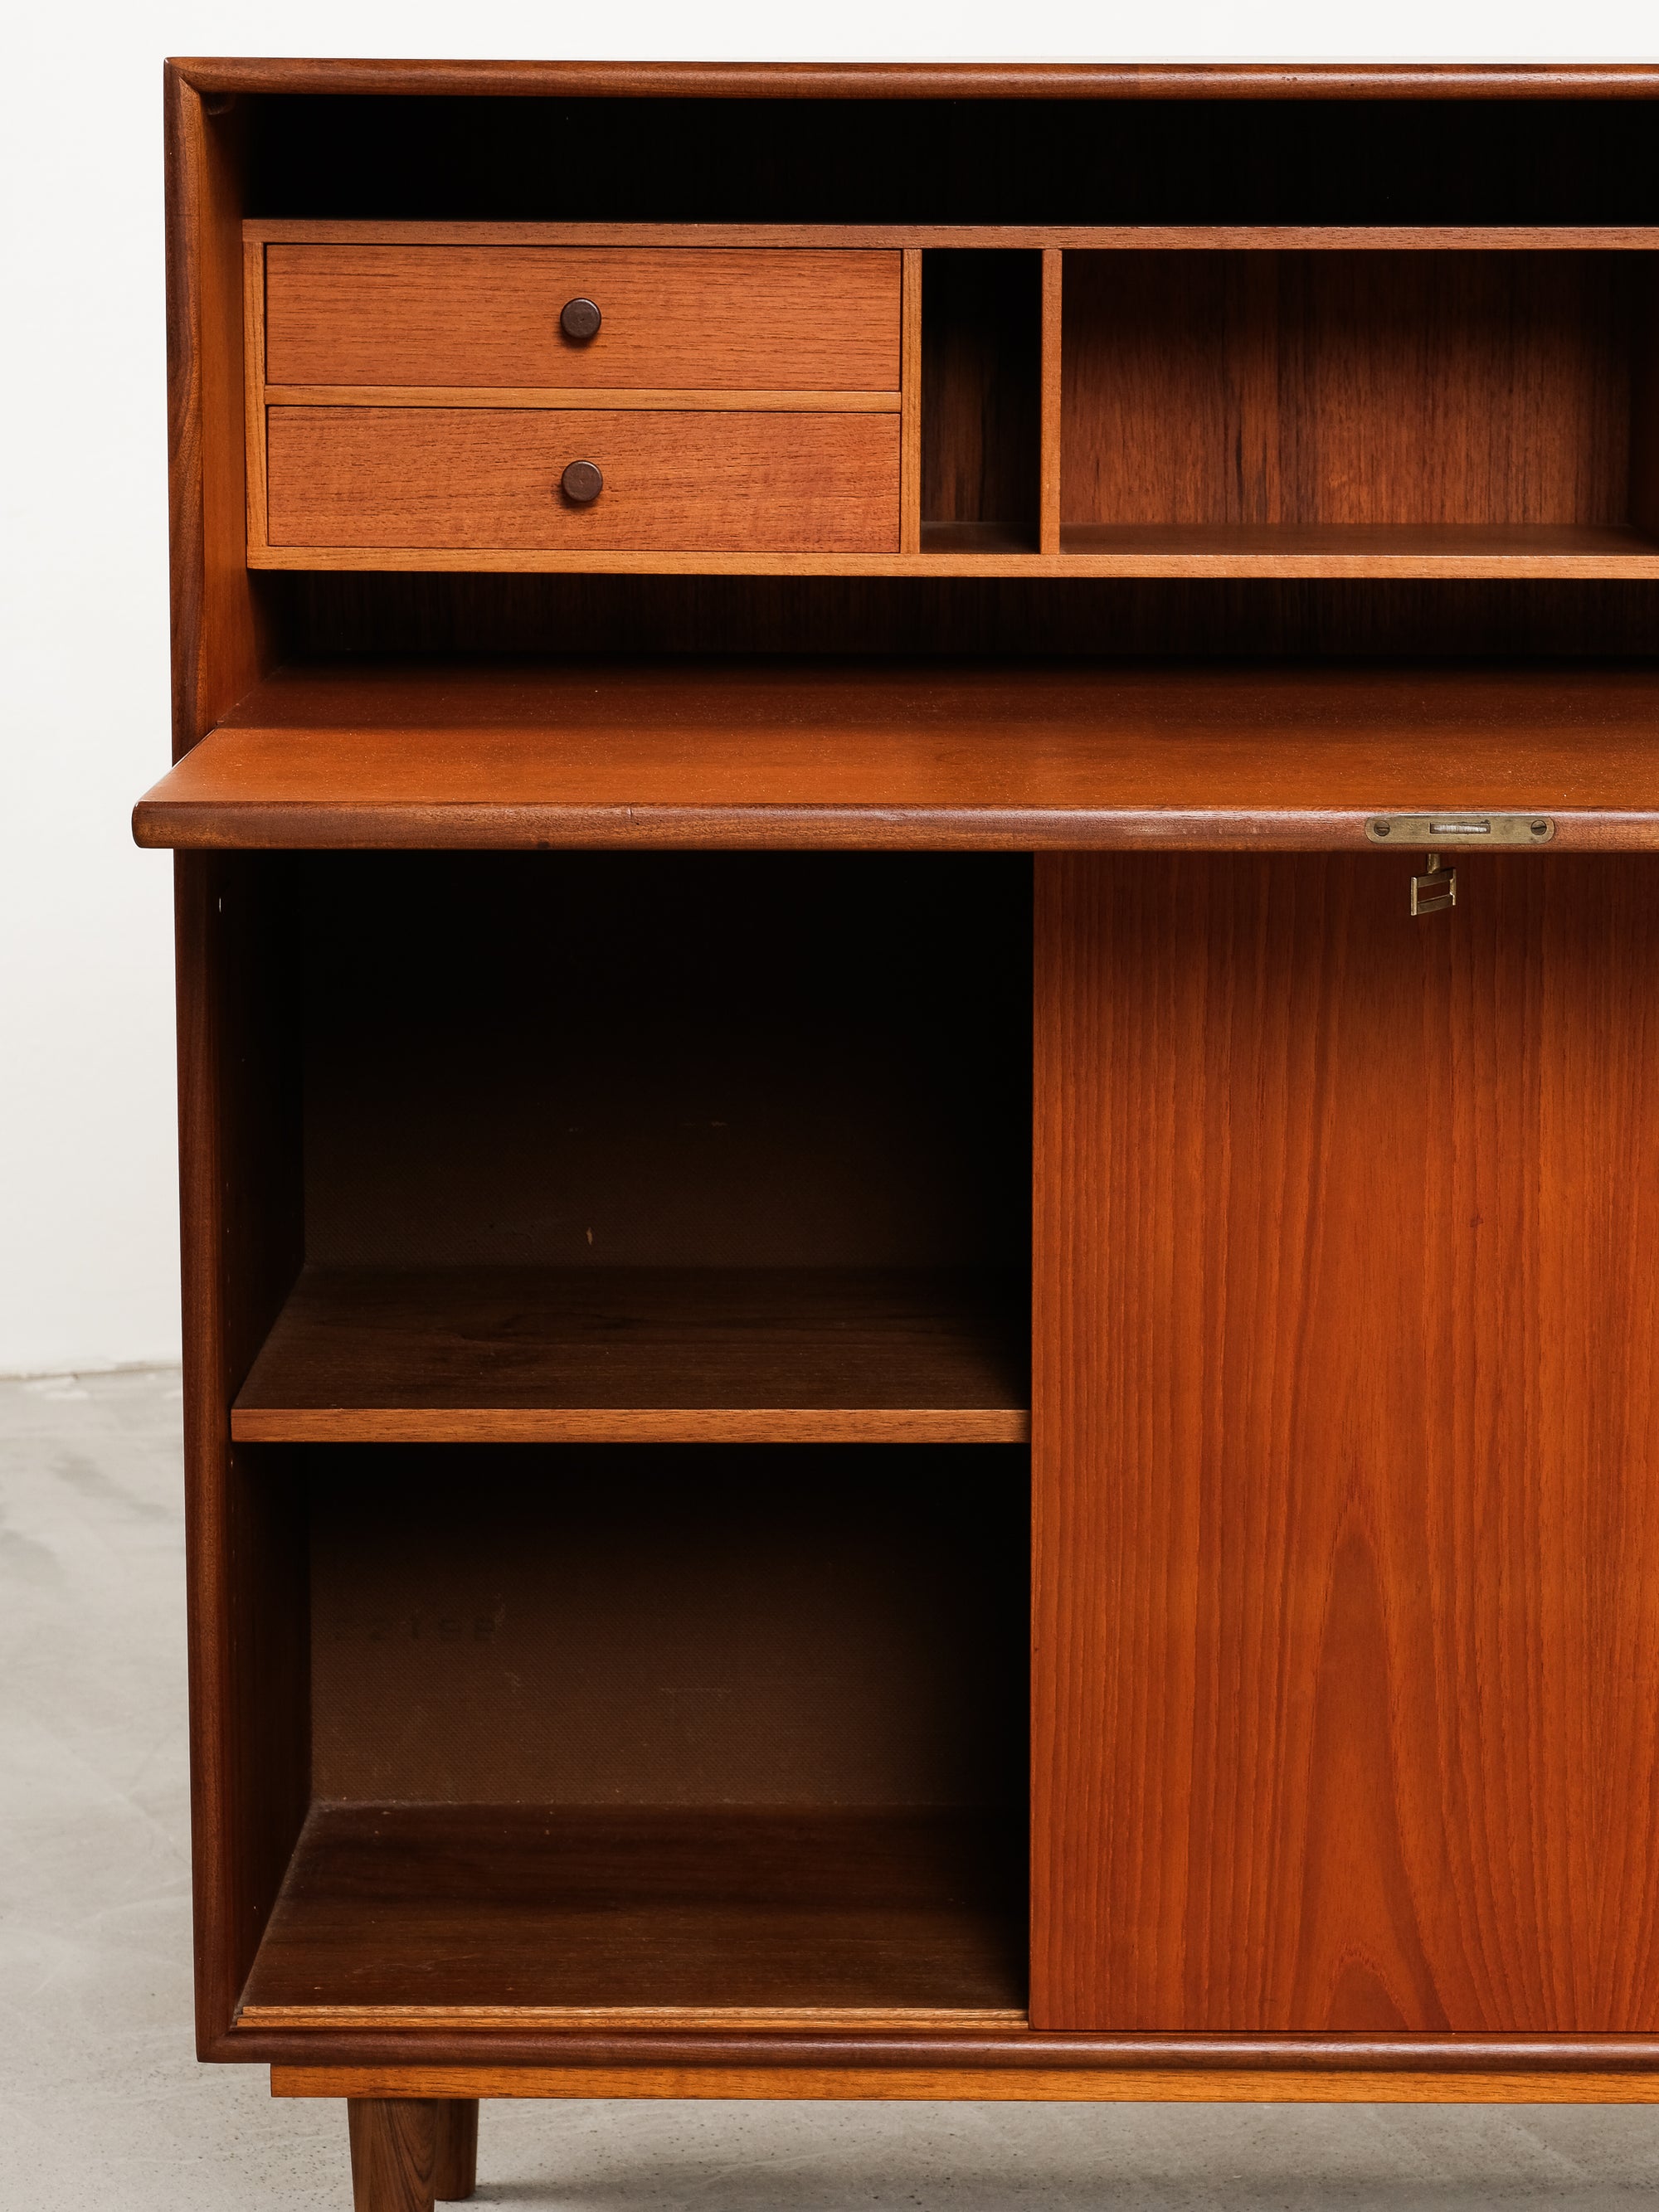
{"points": [[1267, 400], [605, 1146], [611, 1734], [981, 384]]}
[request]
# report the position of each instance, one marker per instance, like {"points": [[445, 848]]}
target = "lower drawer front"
{"points": [[490, 478]]}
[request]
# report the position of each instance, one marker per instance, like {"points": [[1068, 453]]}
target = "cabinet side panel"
{"points": [[1346, 1552], [219, 643], [241, 1227]]}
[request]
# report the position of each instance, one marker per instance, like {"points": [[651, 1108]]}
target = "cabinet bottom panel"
{"points": [[527, 1918]]}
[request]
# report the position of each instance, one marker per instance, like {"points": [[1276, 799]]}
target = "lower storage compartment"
{"points": [[622, 1736]]}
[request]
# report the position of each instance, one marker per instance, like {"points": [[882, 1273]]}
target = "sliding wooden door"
{"points": [[1346, 1446]]}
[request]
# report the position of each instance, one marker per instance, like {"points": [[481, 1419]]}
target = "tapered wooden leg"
{"points": [[455, 2166], [394, 2144]]}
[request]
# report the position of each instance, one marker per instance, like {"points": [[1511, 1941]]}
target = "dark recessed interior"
{"points": [[667, 1060], [960, 160]]}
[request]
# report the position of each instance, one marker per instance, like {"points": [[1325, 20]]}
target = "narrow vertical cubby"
{"points": [[982, 316]]}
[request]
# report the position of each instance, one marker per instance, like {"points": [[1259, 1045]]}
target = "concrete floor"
{"points": [[102, 2107]]}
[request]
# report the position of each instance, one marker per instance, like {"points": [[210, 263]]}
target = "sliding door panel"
{"points": [[1346, 1446]]}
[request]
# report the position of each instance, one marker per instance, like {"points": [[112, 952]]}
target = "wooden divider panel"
{"points": [[1346, 1445]]}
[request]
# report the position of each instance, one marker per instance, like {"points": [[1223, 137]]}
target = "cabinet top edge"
{"points": [[685, 79], [1632, 238]]}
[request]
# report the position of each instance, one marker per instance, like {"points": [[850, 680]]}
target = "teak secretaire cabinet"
{"points": [[918, 852]]}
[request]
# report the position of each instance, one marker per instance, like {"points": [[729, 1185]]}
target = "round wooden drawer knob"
{"points": [[580, 319], [582, 483]]}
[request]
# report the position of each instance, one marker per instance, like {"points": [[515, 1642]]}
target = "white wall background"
{"points": [[88, 1273]]}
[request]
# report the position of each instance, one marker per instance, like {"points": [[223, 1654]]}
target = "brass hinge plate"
{"points": [[1431, 830]]}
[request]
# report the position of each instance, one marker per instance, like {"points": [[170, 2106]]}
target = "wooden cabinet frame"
{"points": [[1204, 728]]}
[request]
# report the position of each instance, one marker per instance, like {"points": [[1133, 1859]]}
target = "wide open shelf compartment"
{"points": [[1374, 407], [699, 1146], [613, 1736]]}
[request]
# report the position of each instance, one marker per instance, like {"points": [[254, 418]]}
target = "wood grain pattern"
{"points": [[910, 425], [241, 1247], [455, 2150], [436, 617], [1053, 401], [937, 80], [682, 1354], [394, 2150], [511, 396], [462, 479], [1021, 2085], [1332, 552], [914, 754], [1370, 549], [1345, 1434], [489, 315], [566, 2021], [602, 1909], [1263, 389], [219, 636], [1161, 238], [661, 1424], [253, 394]]}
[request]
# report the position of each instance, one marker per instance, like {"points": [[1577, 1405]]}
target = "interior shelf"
{"points": [[664, 1354], [530, 1915], [1363, 551], [947, 540], [918, 755]]}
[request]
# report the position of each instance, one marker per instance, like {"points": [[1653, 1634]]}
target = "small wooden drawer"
{"points": [[477, 479], [670, 319]]}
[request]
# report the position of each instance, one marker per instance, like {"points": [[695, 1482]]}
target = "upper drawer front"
{"points": [[472, 479], [679, 319]]}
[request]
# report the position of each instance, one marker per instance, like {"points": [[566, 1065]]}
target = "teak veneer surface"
{"points": [[874, 754], [1289, 389], [489, 315], [463, 478], [453, 1354], [1345, 1433], [923, 81], [1054, 2084], [877, 237], [1424, 1796], [475, 1914]]}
